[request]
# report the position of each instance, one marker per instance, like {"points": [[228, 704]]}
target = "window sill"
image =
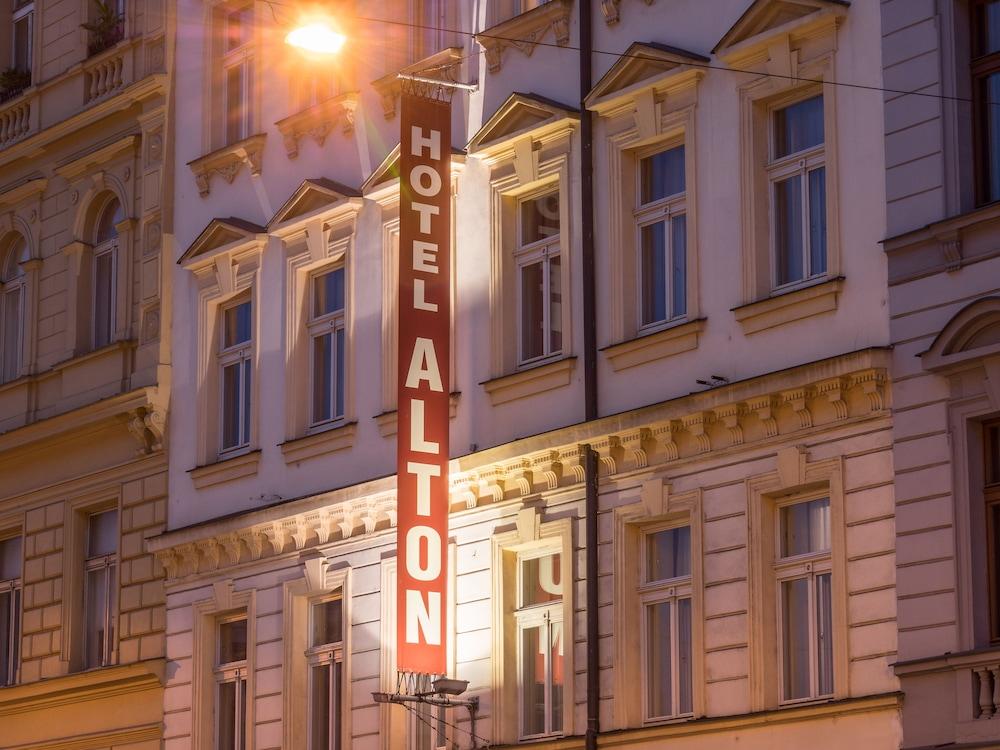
{"points": [[388, 421], [227, 162], [530, 382], [226, 469], [318, 121], [795, 304], [337, 437], [649, 347], [525, 30]]}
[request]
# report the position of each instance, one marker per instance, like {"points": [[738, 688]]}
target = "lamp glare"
{"points": [[316, 37]]}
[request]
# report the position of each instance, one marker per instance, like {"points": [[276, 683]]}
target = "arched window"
{"points": [[105, 262], [12, 308]]}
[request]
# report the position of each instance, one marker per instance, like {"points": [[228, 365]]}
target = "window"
{"points": [[506, 9], [22, 37], [12, 288], [803, 573], [326, 335], [236, 372], [106, 25], [104, 273], [797, 176], [231, 684], [541, 649], [427, 728], [986, 94], [991, 494], [325, 658], [539, 279], [100, 588], [237, 73], [661, 227], [665, 601], [10, 608]]}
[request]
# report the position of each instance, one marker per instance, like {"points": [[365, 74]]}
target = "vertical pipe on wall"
{"points": [[587, 218], [593, 644]]}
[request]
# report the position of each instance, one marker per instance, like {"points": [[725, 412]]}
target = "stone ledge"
{"points": [[318, 121], [387, 421], [228, 161], [650, 347], [531, 381], [226, 470], [320, 443], [785, 307], [524, 31]]}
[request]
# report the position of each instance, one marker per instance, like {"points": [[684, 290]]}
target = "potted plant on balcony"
{"points": [[13, 82], [106, 29]]}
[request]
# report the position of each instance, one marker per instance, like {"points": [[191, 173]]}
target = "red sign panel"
{"points": [[424, 341]]}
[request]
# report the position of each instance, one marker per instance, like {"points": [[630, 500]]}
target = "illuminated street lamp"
{"points": [[316, 37]]}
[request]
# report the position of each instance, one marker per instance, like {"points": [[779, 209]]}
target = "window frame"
{"points": [[15, 588], [991, 508], [26, 11], [109, 563], [240, 354], [662, 210], [16, 255], [532, 253], [331, 324], [780, 169], [231, 672], [108, 248], [672, 591], [242, 56], [330, 655], [981, 67], [809, 566]]}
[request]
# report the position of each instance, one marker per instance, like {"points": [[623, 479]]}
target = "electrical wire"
{"points": [[690, 63], [416, 713]]}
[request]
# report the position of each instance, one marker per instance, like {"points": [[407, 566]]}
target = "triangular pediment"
{"points": [[642, 62], [764, 15], [221, 233], [313, 195], [520, 114]]}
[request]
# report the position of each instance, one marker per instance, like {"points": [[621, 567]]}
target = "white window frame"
{"points": [[16, 285], [540, 251], [429, 736], [108, 563], [240, 56], [549, 617], [13, 588], [321, 325], [230, 672], [664, 210], [798, 163], [25, 11], [672, 591], [810, 566], [330, 655], [240, 354]]}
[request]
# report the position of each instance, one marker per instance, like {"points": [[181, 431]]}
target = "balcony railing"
{"points": [[105, 74], [15, 120]]}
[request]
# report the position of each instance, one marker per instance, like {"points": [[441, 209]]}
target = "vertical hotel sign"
{"points": [[424, 341]]}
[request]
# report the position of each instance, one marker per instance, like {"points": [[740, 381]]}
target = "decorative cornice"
{"points": [[98, 158], [699, 426], [441, 65], [318, 121], [612, 14], [228, 161], [524, 31], [14, 195]]}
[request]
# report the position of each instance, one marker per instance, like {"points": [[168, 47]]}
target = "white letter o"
{"points": [[413, 538], [417, 175]]}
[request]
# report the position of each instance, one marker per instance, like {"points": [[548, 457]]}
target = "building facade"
{"points": [[944, 278], [746, 558], [85, 205]]}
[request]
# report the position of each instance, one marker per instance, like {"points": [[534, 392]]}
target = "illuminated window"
{"points": [[231, 684], [237, 72], [803, 571], [540, 643], [10, 608], [236, 368], [326, 334], [797, 175], [100, 588], [539, 279], [665, 602]]}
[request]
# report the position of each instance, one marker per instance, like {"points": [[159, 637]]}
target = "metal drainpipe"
{"points": [[593, 644]]}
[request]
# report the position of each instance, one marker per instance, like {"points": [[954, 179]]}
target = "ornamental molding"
{"points": [[318, 121], [443, 66], [523, 32], [704, 425], [611, 12], [228, 161]]}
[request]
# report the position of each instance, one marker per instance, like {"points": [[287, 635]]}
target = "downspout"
{"points": [[589, 368]]}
